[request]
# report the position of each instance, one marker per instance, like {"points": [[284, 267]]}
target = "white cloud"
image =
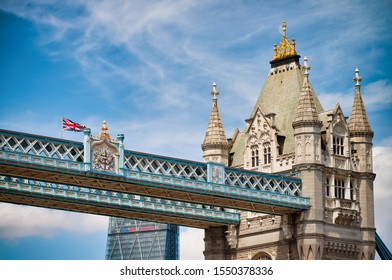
{"points": [[376, 96], [191, 244], [383, 191], [18, 221]]}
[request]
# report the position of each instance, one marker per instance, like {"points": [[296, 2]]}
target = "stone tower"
{"points": [[215, 149], [289, 132]]}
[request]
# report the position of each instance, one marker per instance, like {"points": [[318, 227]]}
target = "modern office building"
{"points": [[141, 240]]}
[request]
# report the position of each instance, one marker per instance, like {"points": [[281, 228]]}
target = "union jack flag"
{"points": [[69, 125]]}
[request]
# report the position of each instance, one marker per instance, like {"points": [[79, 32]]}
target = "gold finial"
{"points": [[285, 48], [104, 128]]}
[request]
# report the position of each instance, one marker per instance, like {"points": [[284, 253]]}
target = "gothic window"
{"points": [[255, 156], [262, 256], [338, 146], [339, 188], [327, 187], [267, 153]]}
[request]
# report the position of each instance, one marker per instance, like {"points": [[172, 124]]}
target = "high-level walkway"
{"points": [[57, 173]]}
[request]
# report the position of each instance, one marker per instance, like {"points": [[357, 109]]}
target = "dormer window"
{"points": [[267, 153], [338, 146]]}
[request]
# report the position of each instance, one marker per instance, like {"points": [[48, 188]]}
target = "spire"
{"points": [[359, 122], [306, 112], [215, 134], [285, 48]]}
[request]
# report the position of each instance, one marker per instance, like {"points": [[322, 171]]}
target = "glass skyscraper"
{"points": [[141, 240]]}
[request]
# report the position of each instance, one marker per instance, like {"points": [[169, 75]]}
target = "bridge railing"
{"points": [[53, 149], [165, 166], [41, 146], [262, 181]]}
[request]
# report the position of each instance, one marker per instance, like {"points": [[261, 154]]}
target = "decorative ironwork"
{"points": [[119, 200], [41, 146], [263, 182], [187, 177], [166, 166]]}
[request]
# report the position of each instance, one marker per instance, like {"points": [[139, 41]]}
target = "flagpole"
{"points": [[62, 131]]}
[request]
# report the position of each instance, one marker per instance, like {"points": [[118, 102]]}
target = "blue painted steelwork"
{"points": [[382, 249], [66, 157], [118, 200], [164, 181]]}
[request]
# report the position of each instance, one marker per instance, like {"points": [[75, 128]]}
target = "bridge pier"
{"points": [[215, 244]]}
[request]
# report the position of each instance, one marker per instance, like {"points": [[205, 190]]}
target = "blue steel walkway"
{"points": [[61, 162]]}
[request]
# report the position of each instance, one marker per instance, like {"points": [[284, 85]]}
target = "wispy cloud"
{"points": [[151, 64], [376, 96]]}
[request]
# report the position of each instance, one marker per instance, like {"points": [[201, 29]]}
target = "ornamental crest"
{"points": [[103, 159], [105, 152], [217, 174]]}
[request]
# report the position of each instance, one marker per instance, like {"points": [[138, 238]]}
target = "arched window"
{"points": [[262, 256], [255, 156], [338, 140], [267, 153], [338, 146]]}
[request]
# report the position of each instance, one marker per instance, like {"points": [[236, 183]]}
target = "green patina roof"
{"points": [[280, 95]]}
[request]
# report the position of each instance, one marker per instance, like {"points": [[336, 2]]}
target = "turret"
{"points": [[215, 146], [361, 148], [307, 124], [361, 134], [307, 135]]}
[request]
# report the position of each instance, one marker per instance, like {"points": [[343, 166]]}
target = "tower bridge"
{"points": [[249, 210]]}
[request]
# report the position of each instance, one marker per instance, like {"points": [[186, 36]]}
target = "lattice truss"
{"points": [[41, 147], [150, 164], [112, 197], [263, 182], [73, 151]]}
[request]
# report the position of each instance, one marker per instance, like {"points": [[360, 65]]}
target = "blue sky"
{"points": [[147, 67]]}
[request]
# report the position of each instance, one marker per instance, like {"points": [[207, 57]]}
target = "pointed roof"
{"points": [[359, 122], [215, 133], [280, 95], [306, 112]]}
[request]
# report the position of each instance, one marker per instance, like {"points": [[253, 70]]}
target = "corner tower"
{"points": [[361, 136], [307, 132], [215, 146], [288, 132]]}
